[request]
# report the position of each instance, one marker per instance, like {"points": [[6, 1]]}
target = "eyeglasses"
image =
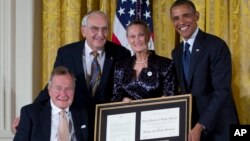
{"points": [[95, 29]]}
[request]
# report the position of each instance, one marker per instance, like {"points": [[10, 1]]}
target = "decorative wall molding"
{"points": [[19, 59], [7, 61]]}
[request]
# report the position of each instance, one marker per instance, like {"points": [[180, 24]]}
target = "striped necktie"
{"points": [[95, 74]]}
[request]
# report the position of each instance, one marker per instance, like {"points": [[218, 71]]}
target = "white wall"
{"points": [[20, 45]]}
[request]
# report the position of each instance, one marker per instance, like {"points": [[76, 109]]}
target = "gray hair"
{"points": [[91, 13], [61, 70]]}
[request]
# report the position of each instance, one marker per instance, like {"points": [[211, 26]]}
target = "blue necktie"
{"points": [[186, 61], [95, 74]]}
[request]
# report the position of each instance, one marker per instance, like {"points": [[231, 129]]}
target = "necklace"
{"points": [[141, 62]]}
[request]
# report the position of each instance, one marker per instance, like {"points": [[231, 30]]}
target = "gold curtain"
{"points": [[226, 19]]}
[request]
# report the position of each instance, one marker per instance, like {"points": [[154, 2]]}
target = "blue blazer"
{"points": [[209, 83], [35, 123]]}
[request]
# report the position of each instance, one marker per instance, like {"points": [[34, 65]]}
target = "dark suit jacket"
{"points": [[70, 56], [209, 82], [35, 123]]}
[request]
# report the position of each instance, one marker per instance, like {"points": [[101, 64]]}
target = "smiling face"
{"points": [[61, 90], [96, 30], [184, 19], [138, 37]]}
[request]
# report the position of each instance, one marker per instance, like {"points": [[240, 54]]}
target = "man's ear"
{"points": [[197, 14], [49, 88], [83, 30]]}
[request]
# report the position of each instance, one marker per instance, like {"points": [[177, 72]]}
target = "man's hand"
{"points": [[15, 124], [126, 99], [195, 133]]}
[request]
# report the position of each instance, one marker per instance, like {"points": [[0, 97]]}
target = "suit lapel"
{"points": [[79, 66], [106, 70], [45, 120], [78, 57], [76, 117], [179, 54], [197, 48]]}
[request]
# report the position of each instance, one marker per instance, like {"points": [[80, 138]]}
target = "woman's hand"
{"points": [[126, 99]]}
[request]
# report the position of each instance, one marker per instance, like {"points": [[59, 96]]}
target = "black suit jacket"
{"points": [[209, 82], [35, 123], [70, 56]]}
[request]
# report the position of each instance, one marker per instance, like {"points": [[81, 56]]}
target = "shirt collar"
{"points": [[55, 109], [191, 39], [88, 50]]}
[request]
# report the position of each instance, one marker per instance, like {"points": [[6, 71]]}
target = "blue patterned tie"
{"points": [[95, 74], [186, 60]]}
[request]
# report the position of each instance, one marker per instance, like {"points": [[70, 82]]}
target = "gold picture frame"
{"points": [[164, 118]]}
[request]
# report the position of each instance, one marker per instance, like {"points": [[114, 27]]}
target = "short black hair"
{"points": [[183, 2]]}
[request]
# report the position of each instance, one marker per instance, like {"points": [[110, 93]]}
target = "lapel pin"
{"points": [[149, 73], [197, 50], [83, 126]]}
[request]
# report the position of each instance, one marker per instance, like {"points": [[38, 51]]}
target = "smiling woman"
{"points": [[144, 75]]}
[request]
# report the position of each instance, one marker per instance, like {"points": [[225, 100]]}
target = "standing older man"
{"points": [[54, 119], [92, 61], [77, 57]]}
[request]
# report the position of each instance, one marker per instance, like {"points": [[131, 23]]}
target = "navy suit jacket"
{"points": [[35, 123], [70, 56], [209, 83]]}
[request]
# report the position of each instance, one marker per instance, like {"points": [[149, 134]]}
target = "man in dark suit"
{"points": [[77, 57], [39, 121], [203, 64]]}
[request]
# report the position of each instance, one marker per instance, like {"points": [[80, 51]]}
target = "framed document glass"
{"points": [[156, 119]]}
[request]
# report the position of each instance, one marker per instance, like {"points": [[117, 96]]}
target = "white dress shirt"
{"points": [[87, 58], [55, 122], [191, 40]]}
